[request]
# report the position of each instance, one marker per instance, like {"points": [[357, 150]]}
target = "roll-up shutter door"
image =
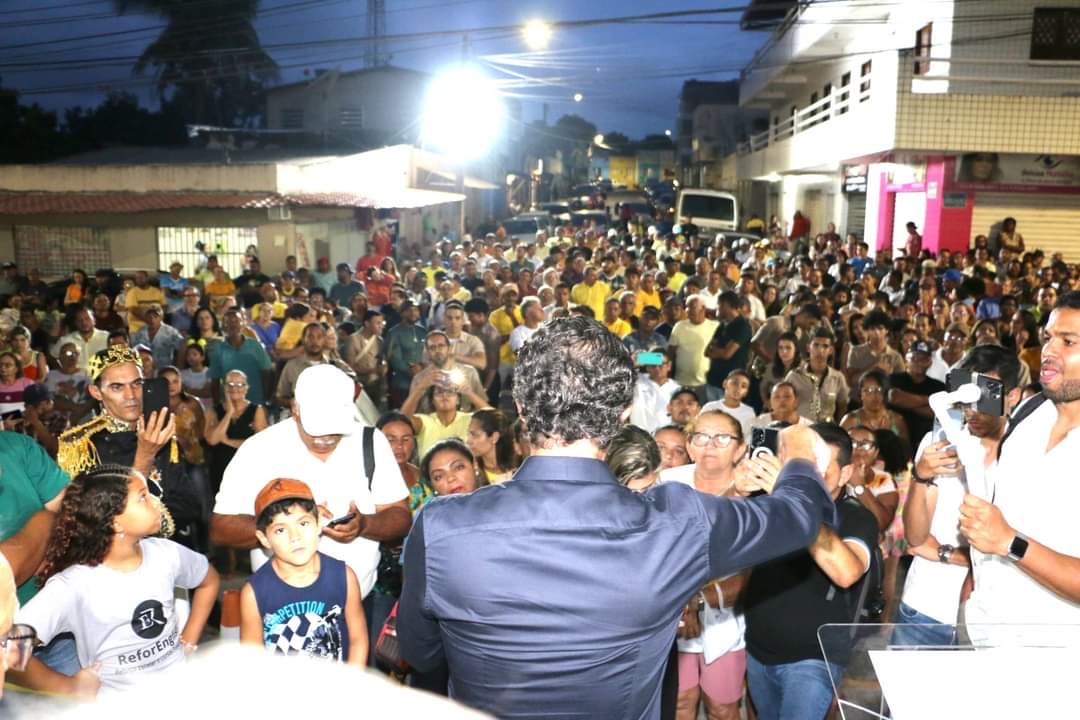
{"points": [[1050, 223], [856, 214]]}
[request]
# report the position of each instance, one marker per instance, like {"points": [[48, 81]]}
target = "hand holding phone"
{"points": [[341, 520]]}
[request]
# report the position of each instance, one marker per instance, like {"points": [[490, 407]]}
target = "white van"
{"points": [[708, 209]]}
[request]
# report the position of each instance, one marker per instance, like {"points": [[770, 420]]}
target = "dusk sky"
{"points": [[629, 74]]}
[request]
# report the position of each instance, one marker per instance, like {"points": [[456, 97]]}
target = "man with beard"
{"points": [[1033, 490], [443, 368]]}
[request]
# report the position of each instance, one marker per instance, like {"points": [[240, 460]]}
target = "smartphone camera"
{"points": [[991, 390], [764, 440]]}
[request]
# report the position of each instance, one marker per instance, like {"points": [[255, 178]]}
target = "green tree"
{"points": [[616, 140], [208, 58]]}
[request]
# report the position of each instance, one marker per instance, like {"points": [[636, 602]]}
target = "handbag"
{"points": [[388, 647], [722, 631]]}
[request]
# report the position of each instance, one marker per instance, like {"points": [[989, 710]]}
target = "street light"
{"points": [[668, 133], [578, 97], [448, 126], [537, 34], [598, 139]]}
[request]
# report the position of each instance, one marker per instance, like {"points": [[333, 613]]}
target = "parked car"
{"points": [[559, 211], [582, 218], [708, 209], [522, 229]]}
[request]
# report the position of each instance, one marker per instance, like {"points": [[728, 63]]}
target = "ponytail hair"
{"points": [[83, 531]]}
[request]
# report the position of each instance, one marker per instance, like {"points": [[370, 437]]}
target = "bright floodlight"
{"points": [[598, 139], [537, 34], [578, 97], [668, 133], [462, 112]]}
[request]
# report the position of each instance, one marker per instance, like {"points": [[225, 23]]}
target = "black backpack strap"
{"points": [[1022, 411], [369, 454]]}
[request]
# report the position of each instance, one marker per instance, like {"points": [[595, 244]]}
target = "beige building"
{"points": [[142, 208]]}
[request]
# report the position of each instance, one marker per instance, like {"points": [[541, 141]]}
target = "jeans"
{"points": [[60, 654], [915, 628], [377, 607], [791, 691]]}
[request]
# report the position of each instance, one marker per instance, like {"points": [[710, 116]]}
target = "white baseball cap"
{"points": [[324, 398]]}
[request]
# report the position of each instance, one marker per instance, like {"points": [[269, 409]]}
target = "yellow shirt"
{"points": [[291, 334], [500, 319], [675, 282], [620, 327], [432, 430], [462, 296], [594, 296], [137, 297], [642, 299]]}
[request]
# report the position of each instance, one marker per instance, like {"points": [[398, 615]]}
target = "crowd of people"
{"points": [[311, 415]]}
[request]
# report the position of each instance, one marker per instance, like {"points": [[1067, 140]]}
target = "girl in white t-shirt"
{"points": [[111, 584]]}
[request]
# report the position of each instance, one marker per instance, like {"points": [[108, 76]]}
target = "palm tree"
{"points": [[208, 57]]}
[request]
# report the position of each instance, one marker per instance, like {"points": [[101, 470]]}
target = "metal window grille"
{"points": [[864, 86], [56, 251], [1055, 34], [351, 118], [229, 244], [292, 118]]}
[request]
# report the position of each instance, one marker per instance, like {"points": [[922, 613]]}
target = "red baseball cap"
{"points": [[281, 489]]}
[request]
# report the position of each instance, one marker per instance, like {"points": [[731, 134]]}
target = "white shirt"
{"points": [[734, 630], [520, 335], [98, 341], [126, 621], [279, 452], [744, 414], [939, 369], [757, 309], [933, 588], [766, 419], [649, 410], [1038, 494]]}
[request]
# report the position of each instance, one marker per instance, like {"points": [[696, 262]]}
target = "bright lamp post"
{"points": [[537, 34], [462, 113]]}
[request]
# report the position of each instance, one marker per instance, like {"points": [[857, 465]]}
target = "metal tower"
{"points": [[375, 53]]}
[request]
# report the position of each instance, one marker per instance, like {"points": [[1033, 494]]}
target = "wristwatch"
{"points": [[921, 480], [857, 490], [944, 552], [1018, 547]]}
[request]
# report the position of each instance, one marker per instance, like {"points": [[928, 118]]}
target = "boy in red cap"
{"points": [[302, 602]]}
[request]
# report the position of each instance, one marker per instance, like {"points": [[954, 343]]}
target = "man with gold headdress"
{"points": [[120, 435]]}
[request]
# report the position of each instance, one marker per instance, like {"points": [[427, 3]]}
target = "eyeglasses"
{"points": [[720, 440], [864, 445], [18, 646], [236, 385], [873, 390]]}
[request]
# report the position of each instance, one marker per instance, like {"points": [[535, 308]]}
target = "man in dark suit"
{"points": [[557, 594]]}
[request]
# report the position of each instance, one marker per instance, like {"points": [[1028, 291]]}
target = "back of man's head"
{"points": [[837, 438], [996, 359], [573, 380]]}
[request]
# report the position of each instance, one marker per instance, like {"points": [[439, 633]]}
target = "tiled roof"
{"points": [[33, 203]]}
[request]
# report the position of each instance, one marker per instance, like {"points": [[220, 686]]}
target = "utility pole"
{"points": [[374, 54]]}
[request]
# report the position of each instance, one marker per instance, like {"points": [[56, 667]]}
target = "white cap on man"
{"points": [[325, 399]]}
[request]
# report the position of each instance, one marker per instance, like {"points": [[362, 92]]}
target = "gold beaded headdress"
{"points": [[110, 357]]}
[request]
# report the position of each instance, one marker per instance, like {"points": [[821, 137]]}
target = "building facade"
{"points": [[951, 115]]}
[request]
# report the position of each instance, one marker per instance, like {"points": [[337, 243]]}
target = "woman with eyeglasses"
{"points": [[230, 423], [874, 414], [447, 421], [874, 488], [715, 443]]}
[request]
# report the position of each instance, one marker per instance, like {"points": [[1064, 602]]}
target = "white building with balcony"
{"points": [[952, 115]]}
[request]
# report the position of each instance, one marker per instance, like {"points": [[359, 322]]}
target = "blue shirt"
{"points": [[558, 593], [307, 621], [249, 357]]}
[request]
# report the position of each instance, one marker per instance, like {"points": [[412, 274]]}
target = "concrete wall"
{"points": [[139, 178], [390, 99]]}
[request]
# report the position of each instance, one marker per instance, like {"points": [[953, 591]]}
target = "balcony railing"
{"points": [[840, 101]]}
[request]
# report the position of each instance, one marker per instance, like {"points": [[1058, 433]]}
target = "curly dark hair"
{"points": [[573, 380], [83, 531]]}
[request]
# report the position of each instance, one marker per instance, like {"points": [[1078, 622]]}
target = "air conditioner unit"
{"points": [[279, 212]]}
